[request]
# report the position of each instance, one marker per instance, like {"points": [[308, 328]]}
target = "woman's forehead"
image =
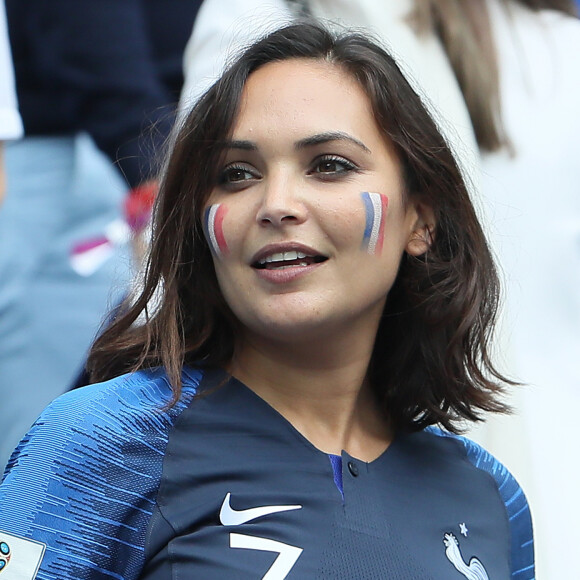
{"points": [[301, 96], [291, 77]]}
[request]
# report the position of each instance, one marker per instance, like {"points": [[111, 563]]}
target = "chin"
{"points": [[293, 327], [296, 327]]}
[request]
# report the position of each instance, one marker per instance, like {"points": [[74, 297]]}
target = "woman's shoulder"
{"points": [[141, 391], [127, 403], [473, 453], [144, 387], [134, 405], [463, 449], [82, 485]]}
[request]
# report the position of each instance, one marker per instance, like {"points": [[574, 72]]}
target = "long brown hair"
{"points": [[464, 28], [430, 362]]}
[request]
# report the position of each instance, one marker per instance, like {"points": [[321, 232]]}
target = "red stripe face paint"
{"points": [[213, 222]]}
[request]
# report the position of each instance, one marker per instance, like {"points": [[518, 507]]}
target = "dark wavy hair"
{"points": [[431, 362]]}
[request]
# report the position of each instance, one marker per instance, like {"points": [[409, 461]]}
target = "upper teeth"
{"points": [[283, 257]]}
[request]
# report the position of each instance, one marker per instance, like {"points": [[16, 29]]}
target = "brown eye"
{"points": [[329, 167], [332, 165], [237, 174]]}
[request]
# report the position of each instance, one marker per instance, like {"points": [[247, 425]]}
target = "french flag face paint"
{"points": [[214, 218], [376, 212]]}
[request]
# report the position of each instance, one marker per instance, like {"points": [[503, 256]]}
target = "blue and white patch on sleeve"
{"points": [[19, 558]]}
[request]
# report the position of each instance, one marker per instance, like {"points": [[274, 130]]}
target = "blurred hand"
{"points": [[138, 211]]}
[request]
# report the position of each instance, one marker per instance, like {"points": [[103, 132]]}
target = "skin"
{"points": [[304, 148]]}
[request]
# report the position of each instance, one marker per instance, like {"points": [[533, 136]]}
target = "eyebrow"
{"points": [[321, 138], [244, 145], [311, 141]]}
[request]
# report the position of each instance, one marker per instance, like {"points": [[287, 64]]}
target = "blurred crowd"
{"points": [[99, 86]]}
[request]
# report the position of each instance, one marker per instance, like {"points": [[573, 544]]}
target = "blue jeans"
{"points": [[62, 192]]}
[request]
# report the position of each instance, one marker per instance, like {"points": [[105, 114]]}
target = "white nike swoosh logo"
{"points": [[231, 517]]}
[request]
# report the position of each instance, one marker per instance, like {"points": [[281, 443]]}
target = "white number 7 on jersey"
{"points": [[284, 562]]}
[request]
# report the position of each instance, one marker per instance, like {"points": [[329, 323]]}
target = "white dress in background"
{"points": [[534, 201]]}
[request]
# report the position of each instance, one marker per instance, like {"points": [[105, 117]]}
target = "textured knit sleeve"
{"points": [[79, 491]]}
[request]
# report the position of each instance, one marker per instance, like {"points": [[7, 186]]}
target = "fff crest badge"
{"points": [[20, 558]]}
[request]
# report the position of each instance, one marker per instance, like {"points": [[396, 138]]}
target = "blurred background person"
{"points": [[10, 122], [517, 68], [92, 78], [511, 66], [531, 186]]}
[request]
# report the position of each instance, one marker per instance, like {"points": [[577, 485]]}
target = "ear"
{"points": [[423, 232]]}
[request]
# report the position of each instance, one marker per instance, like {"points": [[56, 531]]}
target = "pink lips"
{"points": [[283, 263]]}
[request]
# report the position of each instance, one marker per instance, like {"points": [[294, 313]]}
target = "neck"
{"points": [[321, 389]]}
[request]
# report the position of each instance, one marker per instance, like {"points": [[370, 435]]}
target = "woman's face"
{"points": [[307, 223]]}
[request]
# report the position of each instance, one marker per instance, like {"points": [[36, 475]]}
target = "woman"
{"points": [[92, 82], [319, 294]]}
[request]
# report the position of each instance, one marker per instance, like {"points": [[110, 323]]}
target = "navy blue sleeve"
{"points": [[80, 489], [95, 66], [514, 500]]}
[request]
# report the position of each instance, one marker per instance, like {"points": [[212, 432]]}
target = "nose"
{"points": [[282, 202]]}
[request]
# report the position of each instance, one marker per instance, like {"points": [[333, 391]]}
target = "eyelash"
{"points": [[225, 175], [346, 166]]}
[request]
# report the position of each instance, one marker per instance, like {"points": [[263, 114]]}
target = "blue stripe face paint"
{"points": [[375, 210]]}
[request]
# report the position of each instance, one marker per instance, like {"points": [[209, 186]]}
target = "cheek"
{"points": [[375, 205], [214, 229]]}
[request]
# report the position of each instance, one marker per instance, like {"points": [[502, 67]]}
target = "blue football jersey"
{"points": [[112, 482]]}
